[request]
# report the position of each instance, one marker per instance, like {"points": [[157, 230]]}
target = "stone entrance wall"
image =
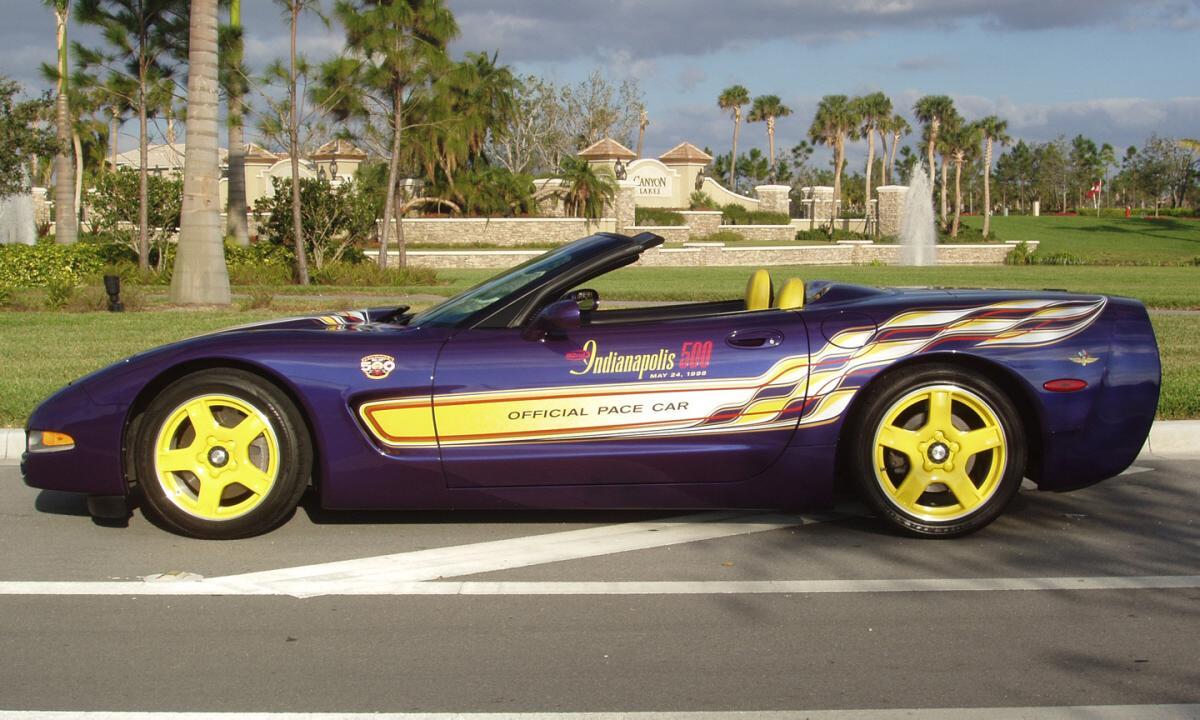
{"points": [[716, 255]]}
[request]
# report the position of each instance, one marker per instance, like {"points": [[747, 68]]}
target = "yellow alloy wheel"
{"points": [[216, 457], [940, 453]]}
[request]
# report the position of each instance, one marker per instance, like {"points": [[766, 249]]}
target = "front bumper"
{"points": [[94, 465]]}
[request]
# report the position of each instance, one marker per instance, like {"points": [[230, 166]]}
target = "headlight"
{"points": [[48, 441]]}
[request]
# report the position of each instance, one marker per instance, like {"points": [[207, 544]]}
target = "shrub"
{"points": [[1058, 258], [1119, 212], [59, 289], [1019, 255], [258, 299], [724, 236], [822, 234], [967, 234], [644, 216], [262, 263], [25, 266], [114, 211], [333, 217], [368, 274], [701, 200], [734, 214]]}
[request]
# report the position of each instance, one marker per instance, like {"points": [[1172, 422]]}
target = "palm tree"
{"points": [[732, 99], [586, 191], [898, 127], [835, 119], [233, 80], [398, 46], [768, 108], [65, 228], [143, 37], [962, 144], [994, 130], [200, 276], [932, 111], [873, 110]]}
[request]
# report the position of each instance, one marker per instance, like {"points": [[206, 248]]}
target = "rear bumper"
{"points": [[1119, 420]]}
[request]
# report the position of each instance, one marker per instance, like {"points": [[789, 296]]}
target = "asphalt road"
{"points": [[1084, 599]]}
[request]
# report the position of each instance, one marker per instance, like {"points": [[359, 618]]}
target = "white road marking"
{"points": [[459, 560], [307, 588], [1061, 712]]}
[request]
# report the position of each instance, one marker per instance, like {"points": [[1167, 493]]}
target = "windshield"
{"points": [[464, 305]]}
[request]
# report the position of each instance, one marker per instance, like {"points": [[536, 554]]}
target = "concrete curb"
{"points": [[1168, 438]]}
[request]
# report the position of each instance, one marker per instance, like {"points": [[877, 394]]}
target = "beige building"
{"points": [[337, 159]]}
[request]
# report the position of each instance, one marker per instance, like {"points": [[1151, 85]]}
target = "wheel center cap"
{"points": [[938, 452], [218, 457]]}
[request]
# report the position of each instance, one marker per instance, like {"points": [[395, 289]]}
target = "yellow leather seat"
{"points": [[759, 291], [791, 296]]}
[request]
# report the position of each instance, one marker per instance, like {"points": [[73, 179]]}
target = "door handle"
{"points": [[753, 339]]}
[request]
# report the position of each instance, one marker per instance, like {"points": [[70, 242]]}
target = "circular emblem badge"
{"points": [[377, 367]]}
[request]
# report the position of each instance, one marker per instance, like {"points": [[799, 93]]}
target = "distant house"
{"points": [[337, 159]]}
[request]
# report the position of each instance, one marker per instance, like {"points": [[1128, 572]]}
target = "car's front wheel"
{"points": [[221, 454], [938, 451]]}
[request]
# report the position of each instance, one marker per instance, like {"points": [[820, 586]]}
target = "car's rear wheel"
{"points": [[221, 454], [937, 451]]}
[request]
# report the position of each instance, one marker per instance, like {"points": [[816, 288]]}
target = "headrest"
{"points": [[791, 296], [759, 291]]}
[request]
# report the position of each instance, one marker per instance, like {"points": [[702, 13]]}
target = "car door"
{"points": [[681, 401]]}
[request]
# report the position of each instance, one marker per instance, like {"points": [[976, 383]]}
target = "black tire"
{"points": [[936, 503], [237, 403]]}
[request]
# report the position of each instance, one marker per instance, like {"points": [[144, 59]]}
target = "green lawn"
{"points": [[44, 350], [1159, 287], [1119, 241]]}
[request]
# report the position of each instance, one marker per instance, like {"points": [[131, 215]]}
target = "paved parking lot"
{"points": [[1069, 602]]}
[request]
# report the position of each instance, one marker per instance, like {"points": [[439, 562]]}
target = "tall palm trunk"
{"points": [[839, 159], [883, 156], [892, 158], [236, 224], [389, 198], [771, 145], [933, 133], [737, 121], [65, 229], [870, 172], [143, 178], [958, 163], [294, 141], [945, 210], [987, 188], [200, 276], [77, 146]]}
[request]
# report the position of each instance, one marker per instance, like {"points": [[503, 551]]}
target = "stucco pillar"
{"points": [[624, 204], [773, 198], [822, 202], [891, 208]]}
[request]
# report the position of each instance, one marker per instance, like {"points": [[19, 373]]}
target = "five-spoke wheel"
{"points": [[939, 452], [221, 454]]}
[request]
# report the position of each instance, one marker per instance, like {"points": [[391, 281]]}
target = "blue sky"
{"points": [[1115, 71]]}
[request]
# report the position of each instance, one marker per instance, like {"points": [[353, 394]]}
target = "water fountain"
{"points": [[918, 235], [16, 219]]}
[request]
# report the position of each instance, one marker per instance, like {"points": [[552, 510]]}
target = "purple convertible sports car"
{"points": [[523, 392]]}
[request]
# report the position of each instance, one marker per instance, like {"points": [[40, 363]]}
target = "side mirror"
{"points": [[587, 299], [553, 321]]}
